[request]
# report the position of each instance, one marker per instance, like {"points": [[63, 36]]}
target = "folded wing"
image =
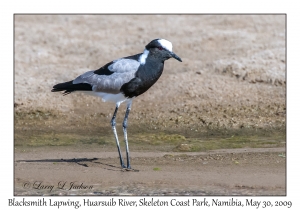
{"points": [[107, 79], [110, 78]]}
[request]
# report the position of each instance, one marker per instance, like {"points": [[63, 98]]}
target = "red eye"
{"points": [[160, 48]]}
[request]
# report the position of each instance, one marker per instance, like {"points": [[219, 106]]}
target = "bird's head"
{"points": [[162, 48]]}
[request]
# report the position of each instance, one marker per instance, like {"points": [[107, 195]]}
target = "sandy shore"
{"points": [[58, 171]]}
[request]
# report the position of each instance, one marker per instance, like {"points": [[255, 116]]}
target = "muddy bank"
{"points": [[221, 172]]}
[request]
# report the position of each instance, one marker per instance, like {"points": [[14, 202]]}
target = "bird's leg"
{"points": [[125, 132], [113, 124]]}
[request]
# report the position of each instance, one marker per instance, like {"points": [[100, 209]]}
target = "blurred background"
{"points": [[231, 83]]}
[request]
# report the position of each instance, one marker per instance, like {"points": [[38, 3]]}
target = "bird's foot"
{"points": [[129, 169]]}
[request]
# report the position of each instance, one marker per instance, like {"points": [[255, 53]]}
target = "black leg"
{"points": [[125, 132], [113, 124]]}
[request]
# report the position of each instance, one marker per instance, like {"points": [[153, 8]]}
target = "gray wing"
{"points": [[121, 72]]}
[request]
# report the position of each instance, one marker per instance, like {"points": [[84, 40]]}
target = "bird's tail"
{"points": [[69, 87]]}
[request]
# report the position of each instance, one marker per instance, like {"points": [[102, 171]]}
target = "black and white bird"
{"points": [[122, 80]]}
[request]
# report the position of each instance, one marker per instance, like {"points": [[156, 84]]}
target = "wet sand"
{"points": [[86, 171]]}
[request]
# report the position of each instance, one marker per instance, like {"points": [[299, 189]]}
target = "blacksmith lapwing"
{"points": [[122, 80]]}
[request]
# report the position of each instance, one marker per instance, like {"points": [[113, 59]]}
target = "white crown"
{"points": [[166, 44]]}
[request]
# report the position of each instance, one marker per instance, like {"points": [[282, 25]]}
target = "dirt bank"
{"points": [[222, 172], [232, 75]]}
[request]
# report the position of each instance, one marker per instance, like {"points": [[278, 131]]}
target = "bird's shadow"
{"points": [[79, 161]]}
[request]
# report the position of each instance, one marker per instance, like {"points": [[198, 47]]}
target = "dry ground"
{"points": [[229, 92]]}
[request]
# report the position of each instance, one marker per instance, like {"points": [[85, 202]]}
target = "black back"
{"points": [[104, 69]]}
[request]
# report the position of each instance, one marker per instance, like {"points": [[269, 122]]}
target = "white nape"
{"points": [[143, 57]]}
